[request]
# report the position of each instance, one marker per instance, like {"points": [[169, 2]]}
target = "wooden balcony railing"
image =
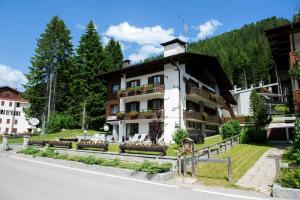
{"points": [[191, 114], [147, 114], [139, 90], [207, 95]]}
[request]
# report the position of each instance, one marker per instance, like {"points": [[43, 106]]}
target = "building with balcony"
{"points": [[183, 90], [12, 116]]}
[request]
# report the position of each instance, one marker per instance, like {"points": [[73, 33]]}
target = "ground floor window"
{"points": [[195, 125], [131, 129], [211, 127]]}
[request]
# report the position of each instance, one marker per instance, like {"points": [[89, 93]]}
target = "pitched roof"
{"points": [[199, 61]]}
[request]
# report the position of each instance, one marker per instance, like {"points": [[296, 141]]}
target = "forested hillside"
{"points": [[244, 53]]}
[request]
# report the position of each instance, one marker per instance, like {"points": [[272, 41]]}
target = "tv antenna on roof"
{"points": [[185, 30]]}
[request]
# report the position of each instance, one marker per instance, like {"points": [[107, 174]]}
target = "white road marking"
{"points": [[96, 173], [229, 195]]}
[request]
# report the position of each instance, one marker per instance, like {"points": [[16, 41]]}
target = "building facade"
{"points": [[12, 116], [185, 90]]}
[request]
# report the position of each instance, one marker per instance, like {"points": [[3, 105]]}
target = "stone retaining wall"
{"points": [[287, 193]]}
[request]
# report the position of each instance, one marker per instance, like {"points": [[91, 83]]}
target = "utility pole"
{"points": [[49, 97], [83, 115]]}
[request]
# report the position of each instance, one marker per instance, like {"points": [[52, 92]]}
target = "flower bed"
{"points": [[162, 149], [68, 139], [60, 144], [37, 142], [95, 145]]}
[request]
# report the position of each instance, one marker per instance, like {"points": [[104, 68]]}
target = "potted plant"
{"points": [[204, 115], [130, 91], [137, 89], [120, 115], [122, 93], [149, 88], [148, 114]]}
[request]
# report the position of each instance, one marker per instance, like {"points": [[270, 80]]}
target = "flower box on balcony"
{"points": [[148, 114], [120, 115], [133, 114], [122, 93], [149, 88]]}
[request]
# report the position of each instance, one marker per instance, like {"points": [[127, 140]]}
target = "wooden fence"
{"points": [[280, 165], [204, 155]]}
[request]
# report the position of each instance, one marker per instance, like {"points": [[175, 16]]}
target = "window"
{"points": [[2, 103], [14, 130], [155, 104], [10, 104], [2, 112], [114, 109], [8, 121], [16, 121], [0, 120], [132, 106], [131, 129], [115, 88], [6, 130], [18, 105], [157, 80], [192, 106], [133, 83]]}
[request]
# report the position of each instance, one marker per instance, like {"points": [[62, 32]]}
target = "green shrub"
{"points": [[244, 136], [260, 115], [282, 109], [290, 178], [112, 163], [230, 129], [153, 167], [58, 121], [179, 136], [295, 150], [29, 151]]}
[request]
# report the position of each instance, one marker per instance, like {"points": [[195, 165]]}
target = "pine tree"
{"points": [[48, 79], [87, 90], [114, 56]]}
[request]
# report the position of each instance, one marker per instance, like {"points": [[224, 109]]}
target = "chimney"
{"points": [[126, 63], [174, 47]]}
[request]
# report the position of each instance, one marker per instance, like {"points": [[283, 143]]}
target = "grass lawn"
{"points": [[50, 136], [243, 158]]}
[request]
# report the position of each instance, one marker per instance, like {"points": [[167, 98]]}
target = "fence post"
{"points": [[208, 152], [184, 165], [219, 148], [277, 165], [225, 146], [25, 141], [5, 142], [193, 161], [179, 164], [229, 169], [231, 142]]}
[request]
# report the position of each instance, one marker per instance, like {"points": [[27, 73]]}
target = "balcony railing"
{"points": [[203, 116], [207, 95], [147, 114], [139, 90]]}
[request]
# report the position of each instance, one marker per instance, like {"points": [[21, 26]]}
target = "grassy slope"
{"points": [[243, 158]]}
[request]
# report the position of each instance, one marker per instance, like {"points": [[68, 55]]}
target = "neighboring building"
{"points": [[269, 94], [284, 41], [188, 90], [12, 116]]}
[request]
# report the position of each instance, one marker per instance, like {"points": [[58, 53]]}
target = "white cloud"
{"points": [[142, 35], [144, 52], [11, 77], [208, 28]]}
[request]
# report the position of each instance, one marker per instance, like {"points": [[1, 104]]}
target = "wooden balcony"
{"points": [[202, 116], [207, 95], [141, 90], [147, 114]]}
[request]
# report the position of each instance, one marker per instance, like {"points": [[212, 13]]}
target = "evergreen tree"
{"points": [[87, 90], [114, 56], [260, 116], [47, 88]]}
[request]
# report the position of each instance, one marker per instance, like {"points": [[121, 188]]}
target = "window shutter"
{"points": [[162, 81], [150, 80], [138, 106], [150, 104]]}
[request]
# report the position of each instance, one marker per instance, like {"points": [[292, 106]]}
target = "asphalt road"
{"points": [[26, 179]]}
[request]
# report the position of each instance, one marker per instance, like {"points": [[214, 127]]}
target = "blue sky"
{"points": [[139, 25]]}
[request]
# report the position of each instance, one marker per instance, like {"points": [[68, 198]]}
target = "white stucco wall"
{"points": [[173, 49]]}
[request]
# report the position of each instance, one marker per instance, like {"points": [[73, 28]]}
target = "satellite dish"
{"points": [[34, 121]]}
